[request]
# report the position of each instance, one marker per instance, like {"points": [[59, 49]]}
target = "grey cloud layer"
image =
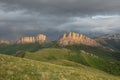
{"points": [[71, 7], [52, 17]]}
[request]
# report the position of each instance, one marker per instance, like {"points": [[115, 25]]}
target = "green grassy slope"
{"points": [[99, 51], [14, 68], [50, 52], [13, 48], [63, 56]]}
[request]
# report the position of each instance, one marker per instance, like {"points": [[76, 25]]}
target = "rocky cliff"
{"points": [[75, 38], [38, 39], [41, 38], [4, 42], [24, 40]]}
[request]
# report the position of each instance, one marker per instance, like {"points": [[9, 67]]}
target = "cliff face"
{"points": [[38, 39], [4, 42], [24, 40], [75, 38]]}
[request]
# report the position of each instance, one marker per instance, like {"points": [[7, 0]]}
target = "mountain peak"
{"points": [[39, 39], [4, 42], [75, 38]]}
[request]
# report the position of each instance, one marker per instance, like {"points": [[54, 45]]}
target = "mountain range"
{"points": [[111, 40], [108, 40], [72, 56], [66, 39]]}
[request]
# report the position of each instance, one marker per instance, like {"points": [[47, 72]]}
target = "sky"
{"points": [[54, 17]]}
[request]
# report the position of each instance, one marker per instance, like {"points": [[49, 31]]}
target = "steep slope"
{"points": [[75, 38], [13, 68]]}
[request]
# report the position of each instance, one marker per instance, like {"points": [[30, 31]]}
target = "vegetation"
{"points": [[14, 68], [113, 43], [13, 48], [68, 56], [59, 55]]}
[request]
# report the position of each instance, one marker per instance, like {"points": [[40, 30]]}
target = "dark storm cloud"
{"points": [[71, 7], [53, 17]]}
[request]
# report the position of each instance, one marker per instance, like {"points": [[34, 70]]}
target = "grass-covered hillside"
{"points": [[63, 56], [14, 68], [13, 48], [95, 57]]}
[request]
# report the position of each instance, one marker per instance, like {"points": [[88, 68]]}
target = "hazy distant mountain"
{"points": [[112, 40], [94, 34], [112, 36]]}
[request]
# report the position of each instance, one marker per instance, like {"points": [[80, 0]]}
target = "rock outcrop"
{"points": [[4, 42], [75, 38], [24, 40], [38, 39]]}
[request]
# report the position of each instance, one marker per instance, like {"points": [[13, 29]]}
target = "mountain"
{"points": [[39, 39], [75, 38], [14, 68], [72, 52], [111, 36], [111, 40], [4, 42]]}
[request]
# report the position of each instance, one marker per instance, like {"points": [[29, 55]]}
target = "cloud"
{"points": [[105, 24], [53, 17], [62, 7]]}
